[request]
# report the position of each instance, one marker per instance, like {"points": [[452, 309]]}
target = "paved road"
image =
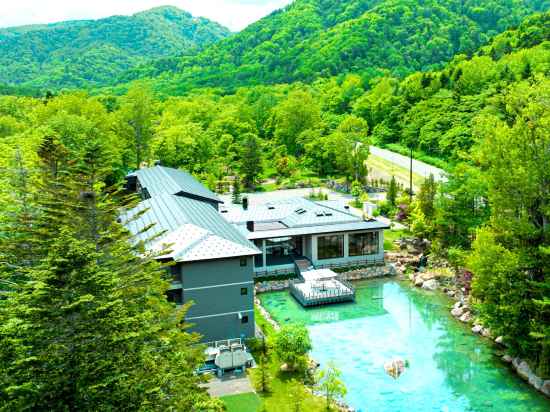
{"points": [[420, 168]]}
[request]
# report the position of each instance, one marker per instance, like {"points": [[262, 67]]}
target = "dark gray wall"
{"points": [[215, 288]]}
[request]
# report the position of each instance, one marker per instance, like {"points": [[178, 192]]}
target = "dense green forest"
{"points": [[484, 114], [312, 38], [91, 53]]}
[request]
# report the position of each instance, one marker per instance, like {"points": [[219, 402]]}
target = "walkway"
{"points": [[230, 383], [420, 168]]}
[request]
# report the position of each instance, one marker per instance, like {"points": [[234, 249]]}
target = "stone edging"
{"points": [[312, 362], [370, 272], [462, 312]]}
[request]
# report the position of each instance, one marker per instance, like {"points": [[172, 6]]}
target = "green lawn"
{"points": [[390, 236], [245, 402], [383, 169], [279, 399]]}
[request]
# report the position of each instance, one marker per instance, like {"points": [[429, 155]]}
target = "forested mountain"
{"points": [[89, 53], [436, 111], [486, 113], [312, 38]]}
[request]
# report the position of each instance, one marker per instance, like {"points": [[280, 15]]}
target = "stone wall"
{"points": [[462, 311], [369, 272]]}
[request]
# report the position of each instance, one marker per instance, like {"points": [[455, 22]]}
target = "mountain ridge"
{"points": [[83, 53], [320, 38]]}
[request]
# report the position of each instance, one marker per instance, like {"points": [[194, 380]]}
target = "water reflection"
{"points": [[450, 369]]}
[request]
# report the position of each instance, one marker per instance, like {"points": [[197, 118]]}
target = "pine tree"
{"points": [[236, 194], [391, 195], [263, 376], [91, 328], [251, 160], [426, 197]]}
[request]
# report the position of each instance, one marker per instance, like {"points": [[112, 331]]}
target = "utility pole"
{"points": [[411, 177]]}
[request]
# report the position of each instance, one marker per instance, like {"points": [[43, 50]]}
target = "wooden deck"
{"points": [[340, 291], [322, 291]]}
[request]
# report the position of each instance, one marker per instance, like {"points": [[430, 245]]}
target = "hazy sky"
{"points": [[235, 14]]}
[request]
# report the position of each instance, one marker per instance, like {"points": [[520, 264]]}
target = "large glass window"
{"points": [[363, 244], [279, 251], [330, 247]]}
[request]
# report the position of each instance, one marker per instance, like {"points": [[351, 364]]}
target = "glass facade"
{"points": [[279, 251], [330, 247], [363, 244]]}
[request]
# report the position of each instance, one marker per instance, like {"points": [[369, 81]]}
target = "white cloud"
{"points": [[235, 14]]}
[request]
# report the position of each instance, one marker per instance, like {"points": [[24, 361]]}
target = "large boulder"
{"points": [[430, 284], [477, 328], [457, 312], [524, 370], [499, 340], [545, 388], [466, 317], [486, 332], [507, 359], [535, 381], [418, 282]]}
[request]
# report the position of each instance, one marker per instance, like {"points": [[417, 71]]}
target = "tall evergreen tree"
{"points": [[137, 120], [391, 195], [90, 327], [251, 160], [426, 197]]}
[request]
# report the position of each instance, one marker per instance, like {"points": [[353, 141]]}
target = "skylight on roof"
{"points": [[300, 211]]}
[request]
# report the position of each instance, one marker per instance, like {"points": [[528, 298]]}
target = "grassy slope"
{"points": [[280, 399], [246, 402], [382, 169]]}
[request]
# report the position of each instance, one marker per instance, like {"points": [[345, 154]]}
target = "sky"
{"points": [[235, 14]]}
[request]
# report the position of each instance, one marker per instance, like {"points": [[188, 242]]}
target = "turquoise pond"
{"points": [[451, 370]]}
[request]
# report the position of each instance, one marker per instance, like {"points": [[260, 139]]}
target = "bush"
{"points": [[291, 345]]}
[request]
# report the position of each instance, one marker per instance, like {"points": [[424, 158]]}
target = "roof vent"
{"points": [[328, 213], [271, 207], [223, 211], [319, 213], [346, 207]]}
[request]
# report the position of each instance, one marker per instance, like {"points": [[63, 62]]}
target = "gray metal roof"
{"points": [[297, 217], [293, 212], [161, 180], [194, 229]]}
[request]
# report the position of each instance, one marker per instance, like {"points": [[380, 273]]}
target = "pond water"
{"points": [[450, 369]]}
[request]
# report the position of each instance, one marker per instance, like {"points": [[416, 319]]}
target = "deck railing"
{"points": [[323, 297]]}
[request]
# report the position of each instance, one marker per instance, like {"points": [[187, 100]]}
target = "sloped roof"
{"points": [[161, 180], [193, 229], [297, 216], [293, 212]]}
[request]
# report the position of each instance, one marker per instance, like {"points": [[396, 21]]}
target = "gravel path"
{"points": [[420, 168]]}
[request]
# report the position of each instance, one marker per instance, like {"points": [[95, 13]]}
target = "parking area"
{"points": [[231, 383]]}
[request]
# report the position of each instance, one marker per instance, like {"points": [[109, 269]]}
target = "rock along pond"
{"points": [[450, 369]]}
